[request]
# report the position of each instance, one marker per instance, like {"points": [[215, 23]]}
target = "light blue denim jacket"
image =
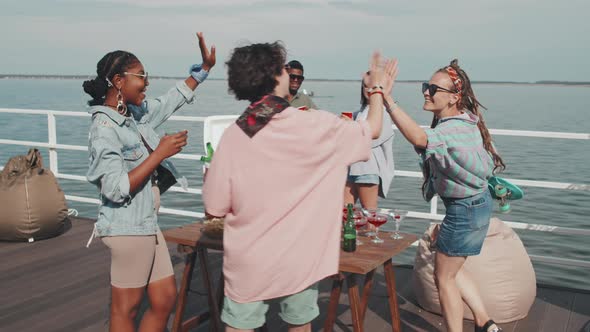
{"points": [[115, 148]]}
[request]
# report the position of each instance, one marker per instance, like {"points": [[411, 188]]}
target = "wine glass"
{"points": [[359, 222], [398, 216], [367, 213], [377, 219]]}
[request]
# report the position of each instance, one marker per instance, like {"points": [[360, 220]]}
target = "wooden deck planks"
{"points": [[580, 313], [59, 285]]}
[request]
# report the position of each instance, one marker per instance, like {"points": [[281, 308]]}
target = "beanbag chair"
{"points": [[503, 272], [32, 203]]}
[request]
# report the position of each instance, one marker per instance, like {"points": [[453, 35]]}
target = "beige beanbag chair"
{"points": [[503, 272], [33, 205]]}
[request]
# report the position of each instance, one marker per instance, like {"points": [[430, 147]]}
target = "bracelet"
{"points": [[198, 73], [390, 109], [376, 92]]}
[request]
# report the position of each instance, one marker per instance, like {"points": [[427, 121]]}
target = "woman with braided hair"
{"points": [[129, 164], [457, 158]]}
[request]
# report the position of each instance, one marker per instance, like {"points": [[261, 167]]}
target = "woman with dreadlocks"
{"points": [[458, 157], [128, 163]]}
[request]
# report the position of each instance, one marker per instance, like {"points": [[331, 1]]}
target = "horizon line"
{"points": [[47, 76]]}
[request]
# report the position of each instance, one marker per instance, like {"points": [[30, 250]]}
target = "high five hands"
{"points": [[207, 55], [383, 72]]}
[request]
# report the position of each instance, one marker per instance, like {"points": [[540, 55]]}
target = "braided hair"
{"points": [[111, 64]]}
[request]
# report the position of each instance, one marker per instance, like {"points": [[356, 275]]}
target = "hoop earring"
{"points": [[121, 107]]}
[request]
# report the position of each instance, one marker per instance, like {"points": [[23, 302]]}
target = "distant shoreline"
{"points": [[85, 77]]}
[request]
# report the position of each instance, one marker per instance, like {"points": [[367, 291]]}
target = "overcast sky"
{"points": [[517, 40]]}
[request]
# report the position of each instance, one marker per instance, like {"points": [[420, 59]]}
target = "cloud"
{"points": [[500, 40]]}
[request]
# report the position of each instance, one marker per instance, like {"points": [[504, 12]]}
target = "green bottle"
{"points": [[349, 234], [209, 156]]}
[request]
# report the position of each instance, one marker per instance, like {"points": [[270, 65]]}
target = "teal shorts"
{"points": [[296, 309]]}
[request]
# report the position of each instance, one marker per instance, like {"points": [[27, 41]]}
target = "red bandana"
{"points": [[259, 113], [455, 78]]}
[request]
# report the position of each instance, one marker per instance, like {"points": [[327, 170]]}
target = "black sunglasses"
{"points": [[296, 77], [433, 88]]}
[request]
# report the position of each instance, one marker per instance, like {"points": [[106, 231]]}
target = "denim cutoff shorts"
{"points": [[364, 179], [465, 225]]}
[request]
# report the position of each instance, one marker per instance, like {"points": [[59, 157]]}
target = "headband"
{"points": [[455, 78]]}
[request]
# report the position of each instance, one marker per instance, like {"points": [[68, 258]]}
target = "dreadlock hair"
{"points": [[111, 64], [469, 102]]}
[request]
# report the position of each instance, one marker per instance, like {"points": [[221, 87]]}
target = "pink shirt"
{"points": [[282, 195]]}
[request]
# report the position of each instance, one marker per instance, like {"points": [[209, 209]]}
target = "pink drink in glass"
{"points": [[377, 220]]}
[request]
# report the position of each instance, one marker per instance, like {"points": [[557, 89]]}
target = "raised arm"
{"points": [[208, 63], [382, 74], [406, 125]]}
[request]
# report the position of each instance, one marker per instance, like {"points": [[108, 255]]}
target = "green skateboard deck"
{"points": [[504, 191], [513, 191]]}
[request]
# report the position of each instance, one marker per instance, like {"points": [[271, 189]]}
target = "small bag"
{"points": [[164, 179]]}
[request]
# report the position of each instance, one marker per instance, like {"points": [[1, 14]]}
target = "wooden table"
{"points": [[194, 243], [364, 261]]}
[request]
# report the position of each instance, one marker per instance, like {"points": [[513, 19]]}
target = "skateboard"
{"points": [[504, 191]]}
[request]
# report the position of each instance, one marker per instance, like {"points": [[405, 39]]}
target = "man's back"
{"points": [[283, 220]]}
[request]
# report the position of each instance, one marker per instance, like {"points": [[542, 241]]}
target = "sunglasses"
{"points": [[144, 76], [296, 77], [433, 88]]}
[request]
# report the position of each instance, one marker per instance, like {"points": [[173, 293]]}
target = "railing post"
{"points": [[52, 140]]}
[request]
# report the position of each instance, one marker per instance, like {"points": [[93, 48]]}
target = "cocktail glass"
{"points": [[377, 219], [398, 216]]}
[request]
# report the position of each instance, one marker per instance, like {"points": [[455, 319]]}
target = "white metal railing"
{"points": [[53, 146]]}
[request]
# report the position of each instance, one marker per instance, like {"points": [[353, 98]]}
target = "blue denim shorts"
{"points": [[364, 179], [465, 225]]}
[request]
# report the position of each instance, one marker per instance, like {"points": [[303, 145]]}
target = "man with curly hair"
{"points": [[276, 177]]}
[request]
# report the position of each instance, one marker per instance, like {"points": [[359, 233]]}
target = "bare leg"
{"points": [[300, 328], [368, 194], [350, 194], [445, 272], [124, 305], [162, 295], [471, 296]]}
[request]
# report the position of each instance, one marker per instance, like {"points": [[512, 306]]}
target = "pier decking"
{"points": [[60, 285]]}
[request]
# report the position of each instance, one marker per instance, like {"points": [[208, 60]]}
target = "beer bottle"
{"points": [[349, 234], [209, 156]]}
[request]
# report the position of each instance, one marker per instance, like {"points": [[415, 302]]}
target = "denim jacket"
{"points": [[115, 148]]}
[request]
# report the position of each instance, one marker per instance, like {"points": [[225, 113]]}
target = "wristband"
{"points": [[391, 108], [376, 92], [376, 87], [198, 73]]}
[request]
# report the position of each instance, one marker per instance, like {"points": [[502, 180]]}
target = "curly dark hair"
{"points": [[111, 64], [252, 70]]}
